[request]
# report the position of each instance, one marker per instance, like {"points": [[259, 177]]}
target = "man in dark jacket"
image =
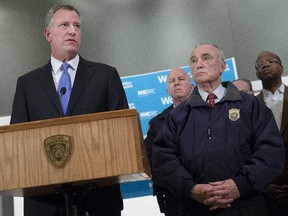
{"points": [[179, 87], [94, 87], [269, 70], [218, 155]]}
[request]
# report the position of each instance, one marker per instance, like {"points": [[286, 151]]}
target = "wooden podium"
{"points": [[104, 148]]}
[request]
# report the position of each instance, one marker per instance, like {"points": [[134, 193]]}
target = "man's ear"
{"points": [[168, 92], [257, 74], [223, 66], [282, 69], [192, 86], [47, 34]]}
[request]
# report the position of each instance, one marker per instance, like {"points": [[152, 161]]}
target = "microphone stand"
{"points": [[74, 196], [71, 206]]}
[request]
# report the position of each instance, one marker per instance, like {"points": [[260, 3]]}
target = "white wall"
{"points": [[4, 120], [140, 206]]}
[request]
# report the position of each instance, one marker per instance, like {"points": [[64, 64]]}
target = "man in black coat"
{"points": [[219, 149], [179, 88], [95, 88]]}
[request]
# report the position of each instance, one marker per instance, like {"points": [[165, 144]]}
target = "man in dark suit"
{"points": [[95, 88], [269, 70], [179, 87]]}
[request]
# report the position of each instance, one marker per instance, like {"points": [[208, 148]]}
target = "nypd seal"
{"points": [[58, 150], [234, 114]]}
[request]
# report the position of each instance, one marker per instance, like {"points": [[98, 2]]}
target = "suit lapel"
{"points": [[83, 74], [46, 79], [260, 97], [284, 123]]}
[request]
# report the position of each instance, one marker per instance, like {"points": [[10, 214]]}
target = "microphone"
{"points": [[61, 93]]}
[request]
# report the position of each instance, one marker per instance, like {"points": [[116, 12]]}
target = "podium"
{"points": [[103, 148]]}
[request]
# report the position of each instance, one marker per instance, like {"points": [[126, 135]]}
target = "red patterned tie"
{"points": [[211, 98]]}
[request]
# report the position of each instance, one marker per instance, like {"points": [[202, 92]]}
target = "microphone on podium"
{"points": [[61, 93]]}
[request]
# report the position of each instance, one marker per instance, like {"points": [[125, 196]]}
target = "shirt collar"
{"points": [[280, 90], [56, 64], [219, 92]]}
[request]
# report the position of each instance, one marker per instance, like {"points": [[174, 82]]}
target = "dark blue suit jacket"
{"points": [[97, 88]]}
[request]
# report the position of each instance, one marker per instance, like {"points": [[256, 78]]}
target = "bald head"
{"points": [[179, 85], [244, 85]]}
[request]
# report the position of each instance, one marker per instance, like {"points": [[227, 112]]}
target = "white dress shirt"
{"points": [[275, 102], [57, 72], [219, 92]]}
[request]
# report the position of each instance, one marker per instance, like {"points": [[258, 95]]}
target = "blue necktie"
{"points": [[64, 87]]}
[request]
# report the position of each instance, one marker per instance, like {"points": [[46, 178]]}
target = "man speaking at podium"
{"points": [[69, 85]]}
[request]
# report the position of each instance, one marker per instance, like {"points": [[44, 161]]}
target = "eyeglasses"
{"points": [[268, 61]]}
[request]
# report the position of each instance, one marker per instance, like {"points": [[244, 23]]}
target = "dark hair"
{"points": [[53, 10]]}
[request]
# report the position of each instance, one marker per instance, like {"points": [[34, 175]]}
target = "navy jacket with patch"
{"points": [[237, 139]]}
